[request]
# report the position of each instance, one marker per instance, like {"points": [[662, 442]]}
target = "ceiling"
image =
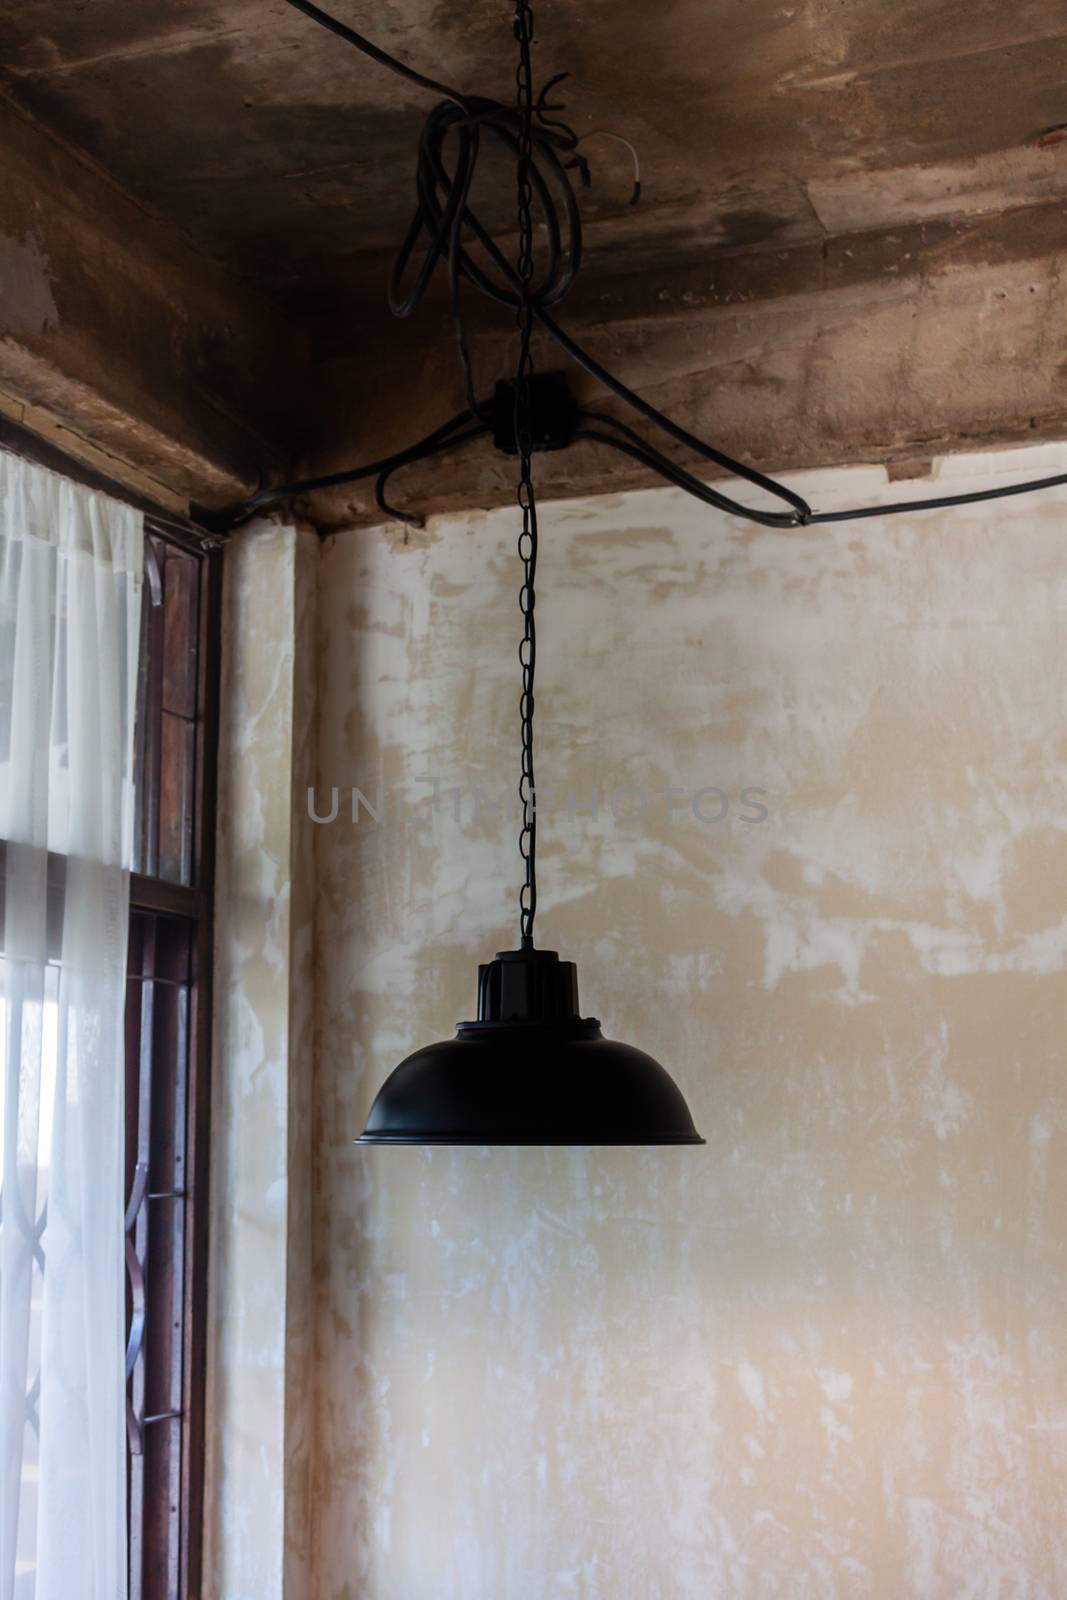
{"points": [[851, 243], [287, 157]]}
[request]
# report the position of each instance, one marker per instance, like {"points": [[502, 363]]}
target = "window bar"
{"points": [[150, 706], [181, 705], [175, 1199], [137, 1265], [198, 1102]]}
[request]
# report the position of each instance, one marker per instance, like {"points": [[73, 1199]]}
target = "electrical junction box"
{"points": [[553, 413]]}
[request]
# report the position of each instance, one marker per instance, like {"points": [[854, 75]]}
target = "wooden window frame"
{"points": [[194, 905]]}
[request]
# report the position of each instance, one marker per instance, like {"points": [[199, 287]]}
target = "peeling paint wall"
{"points": [[259, 1333], [824, 1356]]}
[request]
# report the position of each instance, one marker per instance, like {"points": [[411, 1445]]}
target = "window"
{"points": [[167, 1048], [167, 1057]]}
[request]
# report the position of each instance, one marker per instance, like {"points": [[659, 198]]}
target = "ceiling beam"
{"points": [[127, 340], [885, 346]]}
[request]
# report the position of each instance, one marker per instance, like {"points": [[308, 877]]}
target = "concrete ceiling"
{"points": [[822, 154], [284, 154]]}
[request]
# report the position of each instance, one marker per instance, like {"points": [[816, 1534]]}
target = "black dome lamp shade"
{"points": [[531, 1069]]}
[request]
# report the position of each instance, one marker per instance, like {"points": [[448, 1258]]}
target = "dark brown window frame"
{"points": [[193, 904]]}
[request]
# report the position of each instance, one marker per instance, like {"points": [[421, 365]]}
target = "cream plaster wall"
{"points": [[260, 1324], [824, 1356]]}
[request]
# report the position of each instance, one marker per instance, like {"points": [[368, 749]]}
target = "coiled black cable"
{"points": [[448, 230]]}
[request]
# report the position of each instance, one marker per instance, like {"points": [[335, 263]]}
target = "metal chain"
{"points": [[527, 543]]}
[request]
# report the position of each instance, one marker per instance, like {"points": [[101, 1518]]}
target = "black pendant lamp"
{"points": [[531, 1069]]}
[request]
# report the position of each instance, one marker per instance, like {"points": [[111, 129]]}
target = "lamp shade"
{"points": [[530, 1070]]}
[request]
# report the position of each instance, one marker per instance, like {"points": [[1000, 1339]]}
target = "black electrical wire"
{"points": [[375, 51], [801, 509], [449, 443], [629, 444], [442, 438], [445, 227], [443, 219], [1032, 486]]}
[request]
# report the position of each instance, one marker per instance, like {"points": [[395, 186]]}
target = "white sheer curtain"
{"points": [[70, 595]]}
